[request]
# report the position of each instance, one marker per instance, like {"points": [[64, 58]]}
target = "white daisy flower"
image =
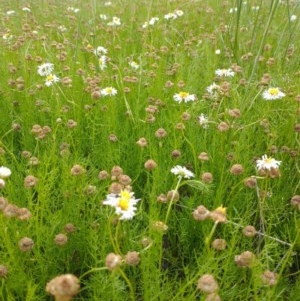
{"points": [[45, 69], [293, 18], [170, 16], [213, 89], [26, 9], [5, 172], [10, 12], [100, 50], [273, 93], [103, 17], [51, 79], [109, 91], [203, 121], [102, 62], [178, 12], [184, 96], [267, 163], [224, 73], [124, 204], [153, 20], [182, 172], [134, 65], [115, 22]]}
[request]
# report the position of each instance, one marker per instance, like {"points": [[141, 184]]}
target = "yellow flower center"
{"points": [[183, 94], [124, 204], [221, 209], [274, 91], [268, 160], [89, 46], [49, 78], [108, 90], [124, 200]]}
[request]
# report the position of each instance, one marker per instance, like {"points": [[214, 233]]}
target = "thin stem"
{"points": [[208, 238], [171, 201], [132, 295], [92, 271]]}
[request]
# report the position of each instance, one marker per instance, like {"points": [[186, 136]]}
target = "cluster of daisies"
{"points": [[46, 70]]}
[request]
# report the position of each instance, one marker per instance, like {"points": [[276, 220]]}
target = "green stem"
{"points": [[128, 283], [171, 201], [209, 237], [92, 271]]}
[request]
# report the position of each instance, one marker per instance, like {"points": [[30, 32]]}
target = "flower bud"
{"points": [[113, 261], [132, 258], [207, 284]]}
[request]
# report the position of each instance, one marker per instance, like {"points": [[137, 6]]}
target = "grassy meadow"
{"points": [[149, 150]]}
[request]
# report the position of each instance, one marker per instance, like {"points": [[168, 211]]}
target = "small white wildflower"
{"points": [[178, 12], [182, 172], [103, 17], [203, 121], [115, 22], [26, 9], [102, 62], [134, 65], [218, 51], [224, 73], [5, 172], [108, 3], [109, 91], [100, 50], [293, 18], [45, 69], [10, 12], [213, 90], [272, 94], [267, 163], [170, 16], [153, 21], [51, 79], [184, 96], [233, 10], [124, 204]]}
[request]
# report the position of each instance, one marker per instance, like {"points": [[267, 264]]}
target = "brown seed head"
{"points": [[246, 259], [218, 215], [201, 213], [113, 261], [61, 239], [132, 258], [25, 244], [77, 170], [237, 169], [207, 177], [269, 278], [3, 271], [207, 284], [23, 214], [295, 201], [161, 133], [219, 244], [250, 182], [203, 156], [249, 231], [69, 228], [63, 287], [142, 142], [150, 164], [3, 203], [173, 195], [103, 175]]}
